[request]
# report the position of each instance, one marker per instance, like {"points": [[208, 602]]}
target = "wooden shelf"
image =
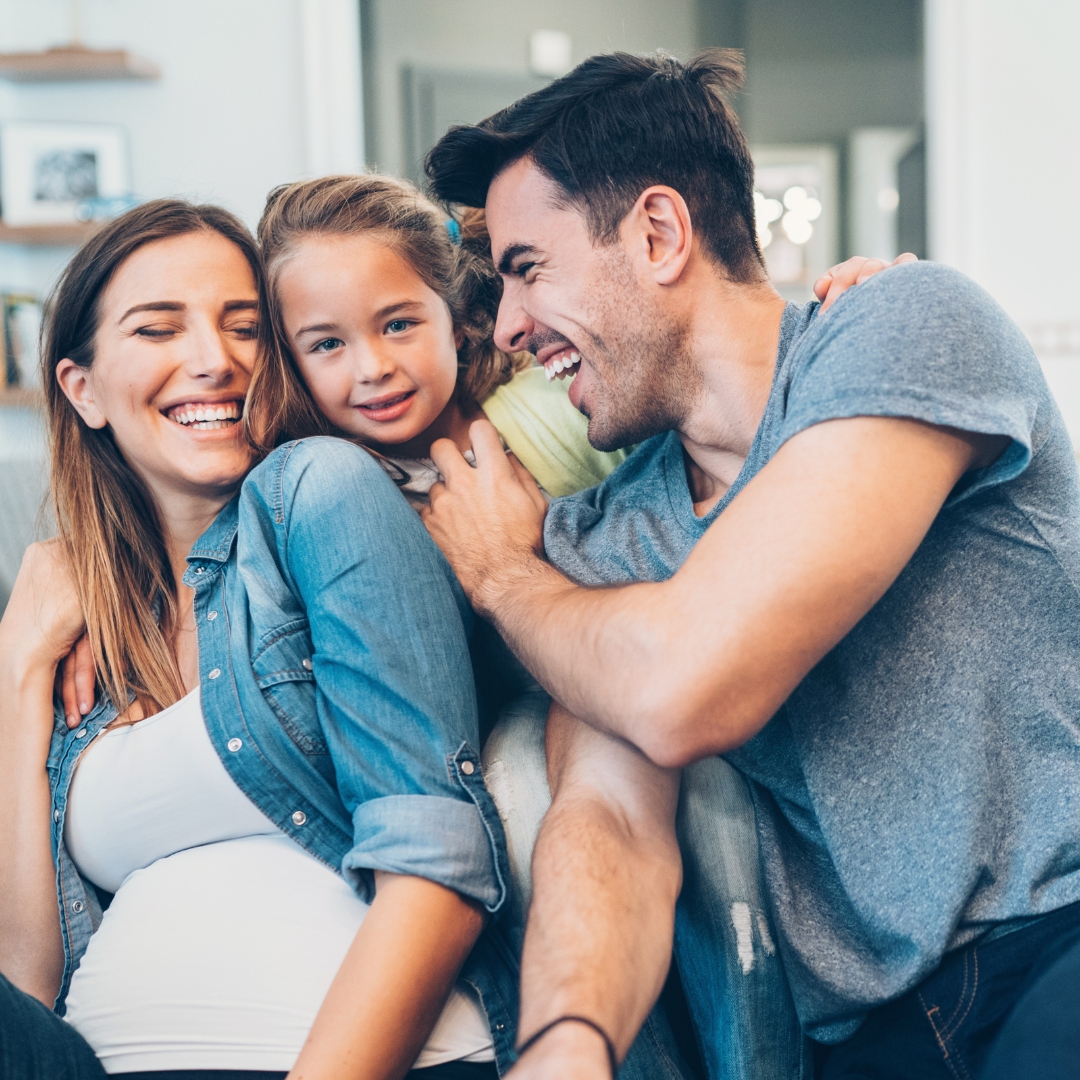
{"points": [[22, 398], [69, 235], [73, 63]]}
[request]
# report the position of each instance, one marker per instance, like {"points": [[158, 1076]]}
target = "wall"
{"points": [[1004, 163], [231, 116], [492, 36]]}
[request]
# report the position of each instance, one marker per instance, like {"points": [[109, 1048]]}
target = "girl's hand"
{"points": [[44, 618], [853, 272]]}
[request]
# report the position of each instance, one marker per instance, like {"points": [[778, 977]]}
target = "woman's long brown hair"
{"points": [[106, 517], [280, 407]]}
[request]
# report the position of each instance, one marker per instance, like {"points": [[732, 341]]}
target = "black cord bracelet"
{"points": [[613, 1060]]}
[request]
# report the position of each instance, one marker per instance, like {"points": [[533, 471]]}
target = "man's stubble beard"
{"points": [[645, 380]]}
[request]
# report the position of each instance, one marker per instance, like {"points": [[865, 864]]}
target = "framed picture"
{"points": [[21, 315], [48, 170]]}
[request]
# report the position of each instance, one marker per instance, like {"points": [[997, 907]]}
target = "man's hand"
{"points": [[855, 271], [488, 520]]}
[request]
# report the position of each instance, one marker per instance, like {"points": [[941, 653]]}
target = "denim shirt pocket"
{"points": [[285, 674]]}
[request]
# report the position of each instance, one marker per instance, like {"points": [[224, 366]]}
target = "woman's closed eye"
{"points": [[246, 331], [155, 333]]}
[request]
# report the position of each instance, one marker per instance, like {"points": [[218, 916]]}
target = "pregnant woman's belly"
{"points": [[219, 957]]}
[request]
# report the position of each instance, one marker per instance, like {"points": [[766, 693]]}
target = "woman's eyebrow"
{"points": [[156, 305]]}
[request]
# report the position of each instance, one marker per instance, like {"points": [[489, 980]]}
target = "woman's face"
{"points": [[375, 345], [173, 354]]}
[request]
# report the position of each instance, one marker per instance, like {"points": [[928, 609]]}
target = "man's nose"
{"points": [[513, 326]]}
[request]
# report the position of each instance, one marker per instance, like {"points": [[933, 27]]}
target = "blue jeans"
{"points": [[735, 986], [1007, 1008]]}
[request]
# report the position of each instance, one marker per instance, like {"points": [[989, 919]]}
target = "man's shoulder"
{"points": [[923, 303]]}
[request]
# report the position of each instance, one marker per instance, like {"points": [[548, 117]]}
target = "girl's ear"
{"points": [[459, 338], [78, 387]]}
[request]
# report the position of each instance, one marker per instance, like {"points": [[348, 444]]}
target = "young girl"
{"points": [[382, 313]]}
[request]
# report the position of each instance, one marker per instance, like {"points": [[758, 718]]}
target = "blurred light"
{"points": [[888, 198], [764, 235], [795, 197], [811, 209], [798, 229], [550, 53]]}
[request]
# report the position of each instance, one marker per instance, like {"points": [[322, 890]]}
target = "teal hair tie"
{"points": [[454, 229]]}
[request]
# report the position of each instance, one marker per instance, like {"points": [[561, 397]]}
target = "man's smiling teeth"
{"points": [[559, 365], [204, 417]]}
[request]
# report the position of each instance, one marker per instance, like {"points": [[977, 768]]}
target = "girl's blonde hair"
{"points": [[458, 268], [106, 517]]}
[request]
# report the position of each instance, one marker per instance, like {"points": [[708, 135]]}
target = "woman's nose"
{"points": [[212, 356], [513, 326]]}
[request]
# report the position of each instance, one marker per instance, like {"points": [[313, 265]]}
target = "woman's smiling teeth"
{"points": [[206, 417], [561, 364]]}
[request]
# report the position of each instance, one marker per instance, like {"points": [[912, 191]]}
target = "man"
{"points": [[847, 558]]}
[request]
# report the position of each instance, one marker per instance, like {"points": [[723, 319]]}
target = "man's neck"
{"points": [[735, 339]]}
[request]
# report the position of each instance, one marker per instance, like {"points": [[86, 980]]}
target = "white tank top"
{"points": [[224, 934]]}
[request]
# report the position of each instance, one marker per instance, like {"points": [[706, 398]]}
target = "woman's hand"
{"points": [[78, 679], [44, 618], [855, 271]]}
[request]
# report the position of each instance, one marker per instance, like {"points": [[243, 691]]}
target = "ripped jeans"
{"points": [[735, 986]]}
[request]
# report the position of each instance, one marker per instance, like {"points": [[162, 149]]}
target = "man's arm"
{"points": [[698, 664], [606, 874]]}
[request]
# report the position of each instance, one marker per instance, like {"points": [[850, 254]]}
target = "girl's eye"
{"points": [[399, 326], [327, 345]]}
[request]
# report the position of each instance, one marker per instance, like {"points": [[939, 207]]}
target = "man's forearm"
{"points": [[606, 875], [31, 949]]}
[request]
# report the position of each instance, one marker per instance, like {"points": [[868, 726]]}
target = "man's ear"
{"points": [[659, 230], [78, 388]]}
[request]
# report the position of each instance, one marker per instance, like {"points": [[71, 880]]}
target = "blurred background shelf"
{"points": [[67, 235], [73, 63], [21, 398]]}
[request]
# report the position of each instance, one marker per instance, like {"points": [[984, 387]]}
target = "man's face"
{"points": [[587, 308]]}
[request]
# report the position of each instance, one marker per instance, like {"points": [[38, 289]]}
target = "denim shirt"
{"points": [[337, 690]]}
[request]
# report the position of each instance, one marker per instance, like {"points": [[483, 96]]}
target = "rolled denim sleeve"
{"points": [[395, 693]]}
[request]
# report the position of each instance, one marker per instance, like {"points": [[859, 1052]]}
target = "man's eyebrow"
{"points": [[514, 251], [156, 305]]}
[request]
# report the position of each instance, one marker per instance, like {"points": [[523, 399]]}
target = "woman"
{"points": [[277, 800]]}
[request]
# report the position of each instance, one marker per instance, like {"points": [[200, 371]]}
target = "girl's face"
{"points": [[173, 354], [375, 345]]}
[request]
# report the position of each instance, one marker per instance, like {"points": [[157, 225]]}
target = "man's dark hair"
{"points": [[614, 126]]}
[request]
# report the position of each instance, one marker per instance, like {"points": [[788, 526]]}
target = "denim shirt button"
{"points": [[307, 664], [215, 673], [81, 733], [234, 744], [467, 767], [299, 817], [77, 906], [212, 616], [56, 815]]}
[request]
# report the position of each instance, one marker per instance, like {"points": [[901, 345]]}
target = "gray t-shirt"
{"points": [[922, 783]]}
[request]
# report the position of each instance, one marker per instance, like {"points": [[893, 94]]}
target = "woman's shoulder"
{"points": [[547, 434]]}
